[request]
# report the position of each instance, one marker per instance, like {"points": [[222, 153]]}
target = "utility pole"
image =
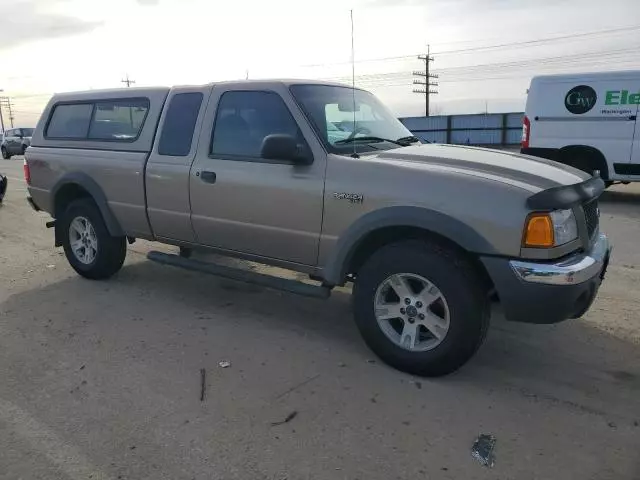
{"points": [[127, 81], [425, 80], [5, 102]]}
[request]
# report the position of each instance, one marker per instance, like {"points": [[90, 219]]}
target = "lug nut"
{"points": [[421, 316], [411, 320], [402, 311], [407, 301], [419, 304]]}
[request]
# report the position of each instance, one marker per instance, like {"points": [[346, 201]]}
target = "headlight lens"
{"points": [[565, 228], [546, 230]]}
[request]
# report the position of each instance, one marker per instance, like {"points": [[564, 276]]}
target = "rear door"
{"points": [[243, 203], [167, 171]]}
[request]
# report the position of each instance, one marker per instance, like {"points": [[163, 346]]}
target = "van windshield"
{"points": [[368, 127]]}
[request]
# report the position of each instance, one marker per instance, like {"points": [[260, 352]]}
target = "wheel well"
{"points": [[387, 235], [67, 194], [585, 158]]}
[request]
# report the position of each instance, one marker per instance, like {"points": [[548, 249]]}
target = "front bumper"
{"points": [[536, 292]]}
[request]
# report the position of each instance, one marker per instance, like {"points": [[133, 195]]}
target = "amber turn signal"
{"points": [[538, 232]]}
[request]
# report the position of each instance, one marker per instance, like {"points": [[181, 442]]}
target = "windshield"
{"points": [[331, 112], [27, 132]]}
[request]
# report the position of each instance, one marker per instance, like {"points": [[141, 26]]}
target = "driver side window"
{"points": [[245, 118]]}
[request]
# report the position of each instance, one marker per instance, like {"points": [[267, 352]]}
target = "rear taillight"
{"points": [[27, 173], [526, 132]]}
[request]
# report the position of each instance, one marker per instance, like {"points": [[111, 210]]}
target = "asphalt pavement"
{"points": [[102, 380]]}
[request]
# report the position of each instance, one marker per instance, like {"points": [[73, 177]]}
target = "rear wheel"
{"points": [[5, 153], [421, 308], [90, 249]]}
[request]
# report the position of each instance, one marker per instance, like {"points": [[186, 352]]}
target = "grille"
{"points": [[591, 216]]}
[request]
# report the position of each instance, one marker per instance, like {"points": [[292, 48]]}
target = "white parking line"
{"points": [[66, 457]]}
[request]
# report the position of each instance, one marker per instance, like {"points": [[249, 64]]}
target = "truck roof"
{"points": [[145, 91]]}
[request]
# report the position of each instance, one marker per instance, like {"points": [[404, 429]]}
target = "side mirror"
{"points": [[284, 147]]}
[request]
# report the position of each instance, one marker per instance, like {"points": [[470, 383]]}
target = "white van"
{"points": [[586, 120]]}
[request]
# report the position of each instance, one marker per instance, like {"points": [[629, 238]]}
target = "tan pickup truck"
{"points": [[322, 179]]}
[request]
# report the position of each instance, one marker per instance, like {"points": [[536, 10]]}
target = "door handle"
{"points": [[633, 117], [208, 177]]}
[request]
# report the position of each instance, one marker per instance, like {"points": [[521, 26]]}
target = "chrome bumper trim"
{"points": [[571, 271]]}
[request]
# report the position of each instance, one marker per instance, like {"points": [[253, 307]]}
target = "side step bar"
{"points": [[269, 281]]}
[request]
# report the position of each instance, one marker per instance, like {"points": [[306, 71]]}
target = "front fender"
{"points": [[334, 270], [91, 186]]}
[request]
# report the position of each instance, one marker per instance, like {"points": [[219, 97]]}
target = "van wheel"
{"points": [[420, 307], [90, 249], [5, 154]]}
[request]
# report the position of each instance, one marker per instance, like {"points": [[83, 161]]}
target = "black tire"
{"points": [[111, 251], [459, 283], [5, 153]]}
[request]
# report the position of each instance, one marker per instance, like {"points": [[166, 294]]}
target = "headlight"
{"points": [[546, 230], [565, 228]]}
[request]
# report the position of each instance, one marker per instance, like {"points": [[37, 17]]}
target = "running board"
{"points": [[269, 281]]}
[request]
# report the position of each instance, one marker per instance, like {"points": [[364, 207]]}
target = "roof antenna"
{"points": [[353, 87]]}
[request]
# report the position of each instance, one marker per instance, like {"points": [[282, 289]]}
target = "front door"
{"points": [[12, 141], [244, 203]]}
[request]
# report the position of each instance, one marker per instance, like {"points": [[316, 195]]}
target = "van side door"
{"points": [[168, 167], [241, 202], [635, 147]]}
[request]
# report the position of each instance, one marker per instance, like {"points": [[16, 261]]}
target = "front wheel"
{"points": [[90, 249], [5, 153], [420, 307]]}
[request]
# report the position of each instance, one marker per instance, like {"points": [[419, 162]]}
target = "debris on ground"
{"points": [[224, 364], [371, 360], [482, 449], [51, 266], [203, 383], [418, 384], [289, 417]]}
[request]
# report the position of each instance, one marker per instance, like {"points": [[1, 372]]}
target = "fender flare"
{"points": [[91, 186], [334, 271]]}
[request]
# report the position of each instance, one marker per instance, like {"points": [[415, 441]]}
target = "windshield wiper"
{"points": [[370, 139], [409, 139]]}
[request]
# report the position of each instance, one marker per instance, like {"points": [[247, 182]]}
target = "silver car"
{"points": [[15, 141]]}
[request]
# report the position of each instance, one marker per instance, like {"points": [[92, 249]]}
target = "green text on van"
{"points": [[622, 97]]}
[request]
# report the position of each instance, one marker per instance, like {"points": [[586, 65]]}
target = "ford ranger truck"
{"points": [[322, 179]]}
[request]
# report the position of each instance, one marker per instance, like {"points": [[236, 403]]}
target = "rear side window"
{"points": [[104, 120], [177, 131], [70, 121], [119, 120]]}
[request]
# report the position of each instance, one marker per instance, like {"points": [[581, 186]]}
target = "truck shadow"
{"points": [[571, 364]]}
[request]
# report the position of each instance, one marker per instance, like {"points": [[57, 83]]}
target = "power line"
{"points": [[487, 47]]}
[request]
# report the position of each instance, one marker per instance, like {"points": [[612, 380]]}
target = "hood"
{"points": [[529, 172]]}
